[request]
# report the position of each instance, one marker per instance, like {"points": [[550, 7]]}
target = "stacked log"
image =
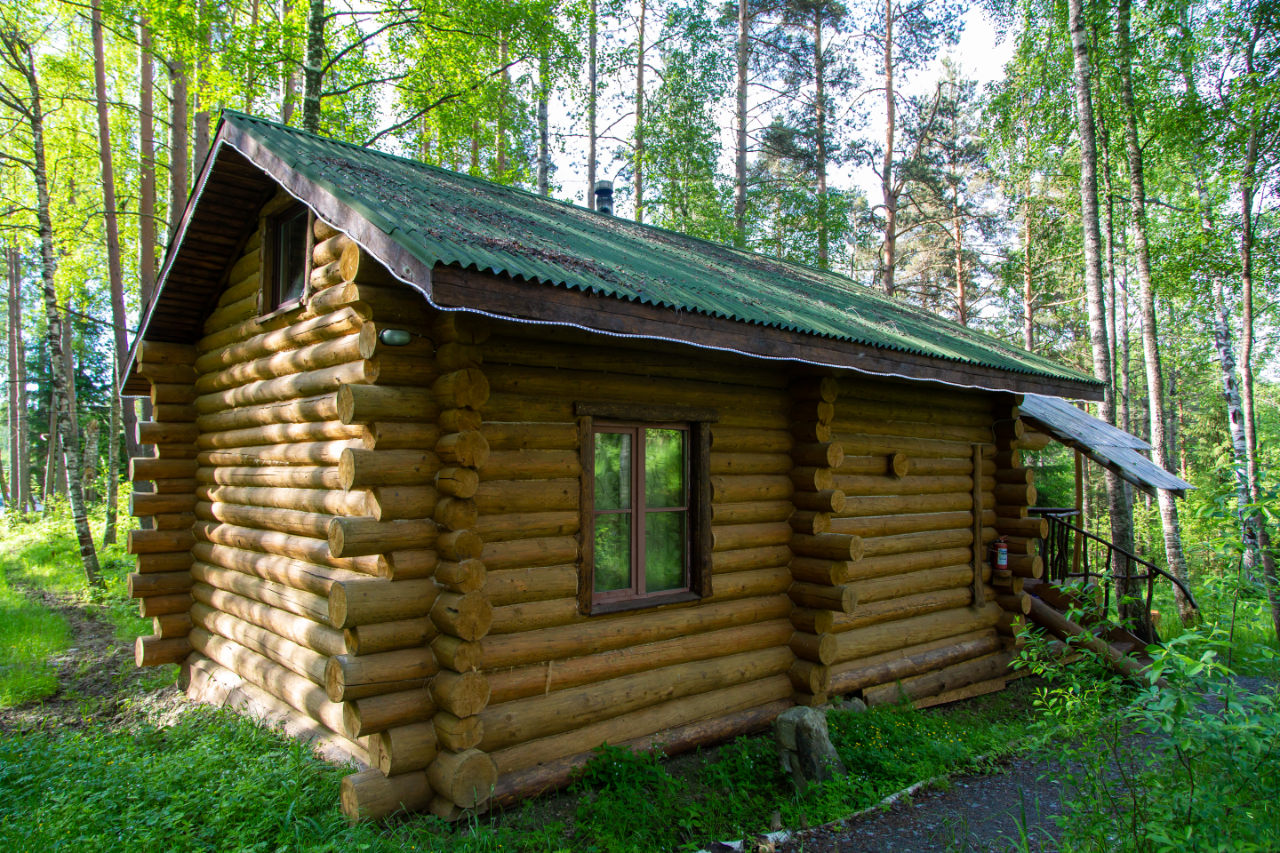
{"points": [[461, 775], [419, 460], [822, 559], [1018, 528], [1015, 492], [564, 679], [919, 481], [163, 581]]}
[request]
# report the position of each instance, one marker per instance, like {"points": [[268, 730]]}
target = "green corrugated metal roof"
{"points": [[445, 217]]}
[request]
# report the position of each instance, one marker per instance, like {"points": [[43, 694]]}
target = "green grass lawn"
{"points": [[215, 781]]}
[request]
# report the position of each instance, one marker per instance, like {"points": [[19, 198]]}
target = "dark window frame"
{"points": [[605, 417], [269, 264]]}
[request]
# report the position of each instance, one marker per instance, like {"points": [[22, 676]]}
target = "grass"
{"points": [[42, 554], [216, 781]]}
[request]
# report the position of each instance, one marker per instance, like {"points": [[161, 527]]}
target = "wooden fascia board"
{"points": [[502, 296]]}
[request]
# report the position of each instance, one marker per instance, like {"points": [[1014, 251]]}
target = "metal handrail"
{"points": [[1058, 534]]}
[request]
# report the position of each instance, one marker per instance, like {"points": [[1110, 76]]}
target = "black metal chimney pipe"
{"points": [[604, 197]]}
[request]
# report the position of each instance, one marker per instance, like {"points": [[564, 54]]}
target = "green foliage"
{"points": [[1187, 767], [29, 635]]}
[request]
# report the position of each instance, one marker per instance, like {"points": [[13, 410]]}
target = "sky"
{"points": [[980, 53]]}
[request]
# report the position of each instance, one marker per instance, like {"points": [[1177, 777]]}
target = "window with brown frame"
{"points": [[645, 509], [284, 265]]}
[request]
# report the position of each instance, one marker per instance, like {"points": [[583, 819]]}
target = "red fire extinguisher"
{"points": [[1000, 567]]}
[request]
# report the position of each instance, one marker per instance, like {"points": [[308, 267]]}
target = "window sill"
{"points": [[283, 309], [648, 603]]}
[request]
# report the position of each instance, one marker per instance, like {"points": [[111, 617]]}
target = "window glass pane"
{"points": [[613, 471], [663, 467], [613, 552], [664, 551], [292, 254]]}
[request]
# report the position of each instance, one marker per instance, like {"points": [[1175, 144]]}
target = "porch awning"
{"points": [[1111, 448]]}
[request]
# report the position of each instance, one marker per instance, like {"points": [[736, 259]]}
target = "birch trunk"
{"points": [[1117, 505], [312, 70], [544, 132], [1028, 297], [20, 58], [1150, 343], [592, 93], [639, 147]]}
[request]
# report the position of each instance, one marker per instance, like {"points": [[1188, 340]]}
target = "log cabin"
{"points": [[461, 482]]}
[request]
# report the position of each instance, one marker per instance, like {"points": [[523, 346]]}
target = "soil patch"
{"points": [[97, 679]]}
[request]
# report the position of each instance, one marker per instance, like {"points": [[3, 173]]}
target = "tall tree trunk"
{"points": [[592, 95], [146, 169], [89, 475], [177, 143], [52, 453], [1109, 258], [20, 372], [289, 85], [312, 69], [250, 81], [544, 131], [1124, 418], [13, 280], [22, 61], [1028, 297], [889, 254], [820, 108], [201, 120], [1117, 505], [501, 137], [1150, 342], [113, 474], [114, 273], [639, 148], [740, 127]]}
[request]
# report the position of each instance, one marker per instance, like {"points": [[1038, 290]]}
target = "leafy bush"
{"points": [[1187, 767]]}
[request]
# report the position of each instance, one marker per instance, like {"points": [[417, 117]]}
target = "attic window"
{"points": [[288, 269]]}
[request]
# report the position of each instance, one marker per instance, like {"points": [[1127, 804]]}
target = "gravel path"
{"points": [[970, 813]]}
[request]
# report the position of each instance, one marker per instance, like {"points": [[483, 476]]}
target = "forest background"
{"points": [[1110, 202]]}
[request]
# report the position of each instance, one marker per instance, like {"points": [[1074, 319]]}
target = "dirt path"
{"points": [[986, 812], [97, 681]]}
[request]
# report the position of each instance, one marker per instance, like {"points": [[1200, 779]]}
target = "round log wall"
{"points": [[380, 546]]}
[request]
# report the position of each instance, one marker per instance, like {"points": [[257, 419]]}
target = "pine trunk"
{"points": [[889, 259], [740, 128], [820, 108], [114, 273], [15, 413]]}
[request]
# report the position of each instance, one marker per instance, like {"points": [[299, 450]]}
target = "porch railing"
{"points": [[1127, 572]]}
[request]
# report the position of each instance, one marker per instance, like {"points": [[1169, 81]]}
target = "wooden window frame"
{"points": [[599, 417], [273, 215]]}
